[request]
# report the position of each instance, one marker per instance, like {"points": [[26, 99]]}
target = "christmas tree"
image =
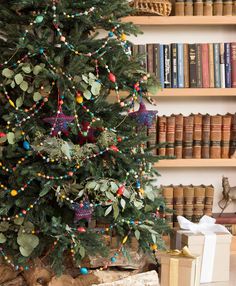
{"points": [[70, 160]]}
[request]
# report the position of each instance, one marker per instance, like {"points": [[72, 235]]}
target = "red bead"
{"points": [[24, 212], [112, 77], [70, 174], [81, 205], [114, 148], [119, 139], [2, 134], [61, 102], [121, 190], [81, 229], [78, 94]]}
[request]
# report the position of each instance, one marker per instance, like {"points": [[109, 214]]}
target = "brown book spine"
{"points": [[208, 8], [188, 202], [179, 126], [188, 8], [186, 66], [234, 8], [233, 63], [162, 129], [225, 218], [170, 136], [218, 8], [205, 66], [142, 50], [216, 135], [209, 196], [168, 195], [199, 65], [188, 137], [179, 8], [211, 65], [206, 136], [227, 8], [178, 203], [198, 8], [197, 136], [199, 201], [226, 127], [233, 135], [150, 58], [152, 137]]}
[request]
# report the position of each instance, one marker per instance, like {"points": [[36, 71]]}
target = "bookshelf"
{"points": [[196, 163]]}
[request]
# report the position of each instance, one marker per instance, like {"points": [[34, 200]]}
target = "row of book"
{"points": [[228, 220], [180, 65], [190, 201], [195, 136]]}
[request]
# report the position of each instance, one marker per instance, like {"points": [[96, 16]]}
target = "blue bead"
{"points": [[39, 19], [131, 222], [41, 51], [113, 259], [83, 271], [26, 267], [110, 34], [26, 145]]}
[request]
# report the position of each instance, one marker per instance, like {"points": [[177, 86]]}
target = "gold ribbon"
{"points": [[185, 252]]}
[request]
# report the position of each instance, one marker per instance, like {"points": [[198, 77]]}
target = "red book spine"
{"points": [[205, 66], [233, 63]]}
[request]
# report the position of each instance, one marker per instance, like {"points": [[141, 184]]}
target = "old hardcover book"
{"points": [[233, 63], [225, 218], [178, 204], [211, 66], [228, 72], [233, 135], [162, 66], [199, 65], [209, 195], [150, 58], [192, 65], [216, 136], [186, 66], [168, 194], [143, 52], [180, 62], [170, 136], [206, 119], [226, 128], [179, 128], [162, 129], [134, 50], [167, 62], [216, 47], [156, 63], [188, 202], [152, 137], [174, 65], [188, 137], [205, 66], [197, 136], [199, 202], [222, 65]]}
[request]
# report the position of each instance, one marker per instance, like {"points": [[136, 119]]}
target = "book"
{"points": [[205, 66], [134, 50], [228, 82], [178, 203], [180, 69], [170, 136], [167, 65], [168, 193], [206, 136], [152, 137], [150, 58], [209, 195], [211, 66], [222, 65], [215, 137], [162, 128], [192, 66], [199, 65], [156, 63], [174, 71], [186, 66], [216, 47], [226, 128], [188, 137], [188, 202], [197, 136], [225, 218], [142, 51], [233, 136], [162, 65], [179, 125], [233, 64]]}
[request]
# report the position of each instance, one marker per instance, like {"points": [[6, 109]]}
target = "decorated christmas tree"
{"points": [[74, 167]]}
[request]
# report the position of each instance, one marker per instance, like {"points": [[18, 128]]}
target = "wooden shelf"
{"points": [[195, 163], [181, 20], [192, 92]]}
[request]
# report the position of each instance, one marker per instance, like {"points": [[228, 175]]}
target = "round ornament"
{"points": [[39, 19], [121, 190], [14, 193], [83, 271], [26, 145], [81, 229]]}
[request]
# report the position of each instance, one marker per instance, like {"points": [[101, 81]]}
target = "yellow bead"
{"points": [[14, 193], [11, 103], [31, 206], [33, 232], [79, 99], [141, 191], [153, 247], [125, 239], [123, 37]]}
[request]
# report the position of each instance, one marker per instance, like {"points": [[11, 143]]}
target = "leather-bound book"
{"points": [[233, 63], [209, 195], [170, 136], [233, 135], [152, 136], [178, 204], [192, 65], [188, 137], [197, 136], [199, 202], [150, 58], [188, 202], [216, 136], [168, 193], [199, 65], [211, 65], [162, 129], [206, 120], [186, 65], [205, 66], [179, 126], [226, 128]]}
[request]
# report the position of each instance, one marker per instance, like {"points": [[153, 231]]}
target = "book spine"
{"points": [[152, 137], [226, 127], [178, 203], [211, 66], [134, 50], [222, 65], [228, 82], [188, 137], [199, 200], [209, 195], [216, 135], [162, 129], [168, 194], [233, 64], [197, 136], [180, 65], [142, 50], [170, 136], [179, 125], [205, 66], [174, 75], [199, 65], [192, 66], [233, 136], [162, 65], [188, 202], [156, 62], [150, 58], [186, 66], [206, 136], [167, 81], [216, 47]]}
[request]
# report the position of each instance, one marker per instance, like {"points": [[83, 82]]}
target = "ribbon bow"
{"points": [[185, 252]]}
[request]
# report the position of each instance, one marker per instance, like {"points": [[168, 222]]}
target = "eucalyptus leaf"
{"points": [[154, 238], [13, 84], [26, 251], [138, 204], [28, 240], [85, 78], [104, 187], [95, 89], [30, 89], [19, 221], [91, 185], [19, 101], [82, 251], [24, 85], [26, 68], [108, 210], [3, 238], [92, 76], [137, 234], [18, 78], [123, 203], [37, 96], [87, 94], [4, 226], [114, 187], [7, 73], [44, 192], [37, 69], [11, 138], [65, 148], [3, 139], [115, 211], [110, 196]]}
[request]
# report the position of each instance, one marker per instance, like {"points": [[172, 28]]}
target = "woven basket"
{"points": [[150, 7]]}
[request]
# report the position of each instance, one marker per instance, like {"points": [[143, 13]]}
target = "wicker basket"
{"points": [[150, 7]]}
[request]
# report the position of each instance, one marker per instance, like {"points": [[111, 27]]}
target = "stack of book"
{"points": [[190, 201], [195, 136], [180, 65], [228, 220]]}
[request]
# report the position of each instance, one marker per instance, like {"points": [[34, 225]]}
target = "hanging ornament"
{"points": [[39, 19], [83, 211], [59, 122], [81, 229], [83, 271], [144, 117], [114, 148], [87, 134], [123, 37], [112, 77], [26, 145], [14, 193], [121, 190]]}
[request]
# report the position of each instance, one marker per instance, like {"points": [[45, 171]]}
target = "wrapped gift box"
{"points": [[179, 270]]}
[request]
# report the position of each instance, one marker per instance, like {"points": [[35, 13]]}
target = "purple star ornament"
{"points": [[144, 117], [59, 122], [83, 211]]}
